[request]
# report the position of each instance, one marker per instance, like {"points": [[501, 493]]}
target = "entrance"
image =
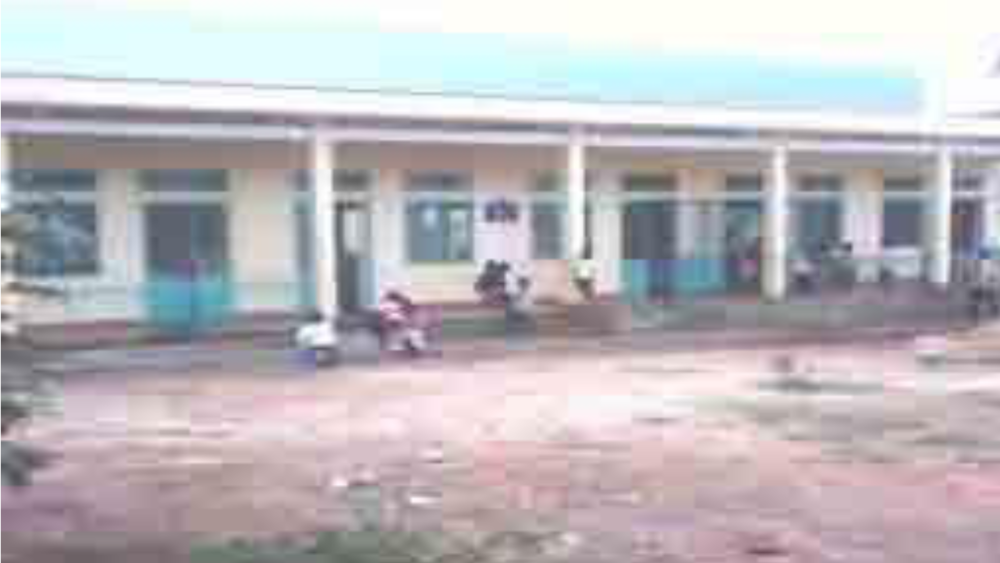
{"points": [[649, 247], [966, 226], [187, 253], [744, 244], [355, 269], [818, 226]]}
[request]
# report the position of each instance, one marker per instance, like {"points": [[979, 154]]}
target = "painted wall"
{"points": [[262, 221]]}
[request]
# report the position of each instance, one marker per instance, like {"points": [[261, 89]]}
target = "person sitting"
{"points": [[491, 285], [403, 326], [803, 273], [517, 313], [316, 341]]}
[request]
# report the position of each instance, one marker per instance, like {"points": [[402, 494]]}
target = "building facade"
{"points": [[195, 203]]}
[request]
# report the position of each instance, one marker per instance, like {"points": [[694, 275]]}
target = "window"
{"points": [[817, 212], [905, 185], [549, 218], [439, 218], [64, 237], [825, 184], [547, 230], [818, 224], [901, 222], [649, 183], [744, 183], [346, 181], [902, 213], [968, 185], [198, 181]]}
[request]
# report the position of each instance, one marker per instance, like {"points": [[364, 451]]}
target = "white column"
{"points": [[940, 199], [607, 220], [863, 221], [991, 208], [323, 165], [576, 194], [776, 221]]}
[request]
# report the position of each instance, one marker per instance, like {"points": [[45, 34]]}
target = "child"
{"points": [[402, 324], [316, 341], [804, 273], [517, 313]]}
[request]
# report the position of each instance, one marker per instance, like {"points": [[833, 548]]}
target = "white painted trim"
{"points": [[678, 142], [62, 91], [660, 142], [440, 136], [91, 128]]}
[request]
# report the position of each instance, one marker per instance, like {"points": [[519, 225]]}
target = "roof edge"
{"points": [[44, 90]]}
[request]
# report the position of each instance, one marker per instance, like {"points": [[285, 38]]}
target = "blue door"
{"points": [[649, 247], [744, 244], [189, 288]]}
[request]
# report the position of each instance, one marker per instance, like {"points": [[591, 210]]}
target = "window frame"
{"points": [[813, 192], [552, 246], [77, 188], [446, 195], [908, 191]]}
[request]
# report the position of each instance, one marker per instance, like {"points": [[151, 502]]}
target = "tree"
{"points": [[21, 383]]}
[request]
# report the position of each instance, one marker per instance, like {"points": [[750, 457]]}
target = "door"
{"points": [[649, 246], [355, 268], [187, 253], [700, 269], [818, 226], [354, 276], [967, 237], [744, 240], [966, 226]]}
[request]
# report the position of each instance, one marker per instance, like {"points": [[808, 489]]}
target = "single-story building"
{"points": [[190, 172]]}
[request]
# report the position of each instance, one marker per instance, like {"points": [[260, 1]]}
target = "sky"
{"points": [[944, 41], [931, 36]]}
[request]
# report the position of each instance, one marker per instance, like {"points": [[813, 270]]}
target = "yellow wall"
{"points": [[262, 222]]}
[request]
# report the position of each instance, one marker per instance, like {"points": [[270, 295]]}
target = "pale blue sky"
{"points": [[920, 33], [859, 54]]}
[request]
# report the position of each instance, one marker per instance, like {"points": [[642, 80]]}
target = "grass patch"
{"points": [[882, 428], [378, 545], [812, 385], [375, 537]]}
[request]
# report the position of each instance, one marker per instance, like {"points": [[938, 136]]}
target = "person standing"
{"points": [[584, 276]]}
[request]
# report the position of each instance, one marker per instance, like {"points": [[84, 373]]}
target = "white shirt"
{"points": [[584, 269], [316, 335]]}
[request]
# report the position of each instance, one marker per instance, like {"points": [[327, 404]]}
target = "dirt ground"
{"points": [[632, 449]]}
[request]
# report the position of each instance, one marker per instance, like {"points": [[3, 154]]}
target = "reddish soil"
{"points": [[632, 449]]}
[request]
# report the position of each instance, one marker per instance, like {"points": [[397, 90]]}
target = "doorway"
{"points": [[354, 283], [649, 248], [355, 268], [743, 220], [967, 226], [187, 256]]}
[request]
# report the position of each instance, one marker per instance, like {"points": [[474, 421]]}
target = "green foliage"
{"points": [[377, 545], [21, 383], [375, 537]]}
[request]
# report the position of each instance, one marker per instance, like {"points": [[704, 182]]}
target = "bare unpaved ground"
{"points": [[631, 450]]}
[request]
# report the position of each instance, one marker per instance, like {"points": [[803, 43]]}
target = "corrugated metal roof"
{"points": [[148, 43]]}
